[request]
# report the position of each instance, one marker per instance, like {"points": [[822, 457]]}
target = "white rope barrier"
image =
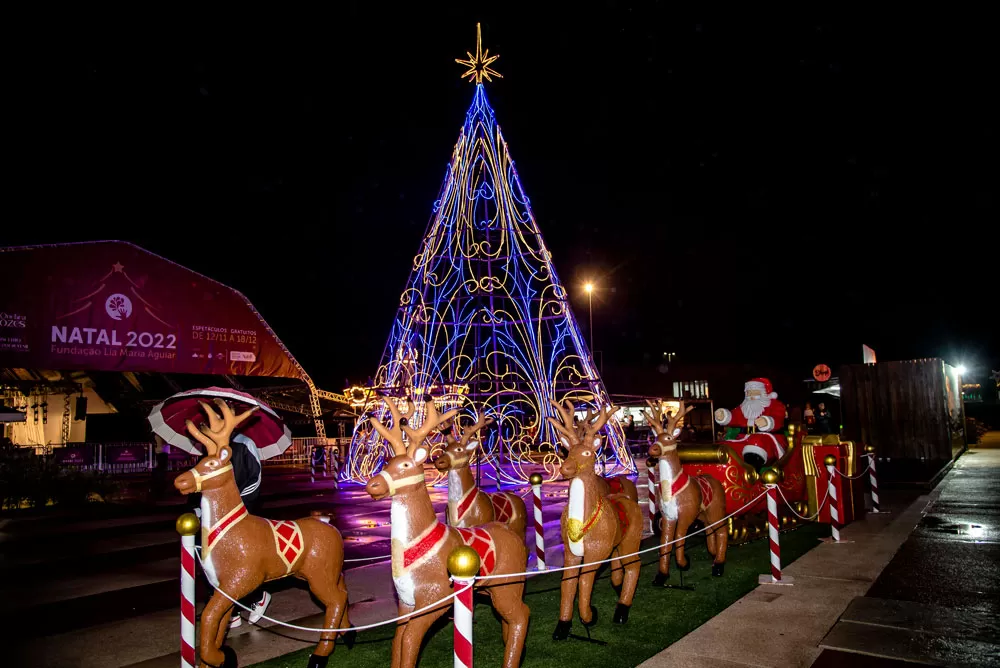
{"points": [[819, 506], [869, 456], [496, 576], [363, 627], [354, 561], [625, 556]]}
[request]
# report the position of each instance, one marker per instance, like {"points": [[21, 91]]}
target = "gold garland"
{"points": [[576, 530]]}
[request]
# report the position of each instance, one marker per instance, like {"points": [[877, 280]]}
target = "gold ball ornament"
{"points": [[830, 460], [535, 478], [463, 562], [771, 477], [188, 524], [869, 449]]}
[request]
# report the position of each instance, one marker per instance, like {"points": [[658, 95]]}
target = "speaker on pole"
{"points": [[81, 408]]}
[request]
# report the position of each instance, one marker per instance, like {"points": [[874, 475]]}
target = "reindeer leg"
{"points": [[336, 604], [710, 541], [683, 524], [588, 613], [345, 621], [668, 529], [413, 635], [567, 595], [721, 532], [508, 601], [213, 631], [631, 579], [617, 572], [397, 640]]}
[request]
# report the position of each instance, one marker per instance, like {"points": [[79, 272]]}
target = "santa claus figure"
{"points": [[764, 417]]}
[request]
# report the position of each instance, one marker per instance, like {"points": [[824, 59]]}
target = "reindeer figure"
{"points": [[421, 545], [684, 498], [616, 485], [241, 551], [468, 506], [595, 526]]}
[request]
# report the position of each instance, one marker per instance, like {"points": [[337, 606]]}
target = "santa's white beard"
{"points": [[754, 408]]}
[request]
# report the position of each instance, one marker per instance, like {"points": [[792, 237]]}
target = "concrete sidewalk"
{"points": [[783, 625]]}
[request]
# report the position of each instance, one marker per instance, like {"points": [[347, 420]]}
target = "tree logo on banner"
{"points": [[118, 306]]}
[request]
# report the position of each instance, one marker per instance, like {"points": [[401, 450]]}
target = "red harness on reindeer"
{"points": [[680, 483]]}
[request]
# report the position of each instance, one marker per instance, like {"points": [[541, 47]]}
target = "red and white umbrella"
{"points": [[264, 429]]}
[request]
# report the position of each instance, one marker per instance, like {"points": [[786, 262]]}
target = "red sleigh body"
{"points": [[804, 481]]}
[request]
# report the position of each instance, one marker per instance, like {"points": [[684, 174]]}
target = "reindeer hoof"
{"points": [[231, 661], [718, 569], [317, 661], [621, 613], [593, 618], [349, 638], [660, 579], [562, 630]]}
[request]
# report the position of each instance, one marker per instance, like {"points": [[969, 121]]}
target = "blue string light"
{"points": [[484, 323]]}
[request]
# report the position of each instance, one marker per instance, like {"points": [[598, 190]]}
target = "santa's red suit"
{"points": [[767, 445]]}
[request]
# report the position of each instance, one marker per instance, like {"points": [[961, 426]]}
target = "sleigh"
{"points": [[803, 484]]}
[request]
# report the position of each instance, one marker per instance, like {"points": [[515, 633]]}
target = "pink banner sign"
{"points": [[112, 306], [74, 455]]}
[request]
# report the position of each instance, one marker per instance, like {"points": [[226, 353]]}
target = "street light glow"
{"points": [[960, 369], [589, 287]]}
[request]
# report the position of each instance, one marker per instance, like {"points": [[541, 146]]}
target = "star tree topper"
{"points": [[479, 64]]}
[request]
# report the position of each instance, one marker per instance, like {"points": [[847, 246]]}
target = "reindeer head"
{"points": [[581, 442], [406, 468], [215, 468], [458, 451], [666, 437]]}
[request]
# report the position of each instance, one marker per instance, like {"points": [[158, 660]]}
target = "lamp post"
{"points": [[589, 289]]}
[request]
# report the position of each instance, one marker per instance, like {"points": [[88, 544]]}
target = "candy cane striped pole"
{"points": [[312, 464], [872, 478], [651, 481], [463, 563], [830, 461], [772, 532], [187, 527], [536, 493], [772, 477]]}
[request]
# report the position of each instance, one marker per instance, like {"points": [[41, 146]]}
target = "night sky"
{"points": [[775, 188]]}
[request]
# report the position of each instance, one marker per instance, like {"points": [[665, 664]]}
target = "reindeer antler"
{"points": [[467, 434], [590, 429], [216, 433], [674, 420], [394, 435], [565, 423], [432, 420], [655, 416]]}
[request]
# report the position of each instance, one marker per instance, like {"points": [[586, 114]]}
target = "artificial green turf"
{"points": [[659, 617]]}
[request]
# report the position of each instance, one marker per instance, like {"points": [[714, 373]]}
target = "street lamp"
{"points": [[589, 289]]}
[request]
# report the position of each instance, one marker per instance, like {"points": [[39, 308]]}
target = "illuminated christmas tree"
{"points": [[484, 321]]}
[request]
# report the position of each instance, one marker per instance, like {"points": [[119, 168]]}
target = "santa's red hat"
{"points": [[762, 384]]}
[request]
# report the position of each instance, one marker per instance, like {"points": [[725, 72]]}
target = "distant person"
{"points": [[335, 466], [810, 418], [158, 481], [824, 420], [247, 471]]}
